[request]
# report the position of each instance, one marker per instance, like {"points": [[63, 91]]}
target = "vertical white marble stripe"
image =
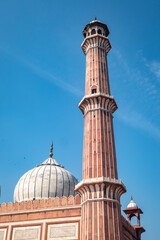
{"points": [[105, 143], [92, 64], [90, 69], [93, 60], [95, 75], [108, 144], [89, 144], [100, 118], [84, 221], [43, 230], [118, 222], [9, 233], [105, 73], [108, 222], [92, 220], [113, 221], [88, 93], [87, 220], [100, 71], [92, 144], [102, 83], [98, 218], [110, 117], [98, 80], [81, 220], [115, 162], [84, 153], [96, 113], [84, 229], [104, 221], [102, 88]]}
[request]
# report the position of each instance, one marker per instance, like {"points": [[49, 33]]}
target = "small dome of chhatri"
{"points": [[132, 204], [44, 181]]}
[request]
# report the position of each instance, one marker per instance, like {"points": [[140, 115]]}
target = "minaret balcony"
{"points": [[96, 41], [98, 101], [101, 188]]}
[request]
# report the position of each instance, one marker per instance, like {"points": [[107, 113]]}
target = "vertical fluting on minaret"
{"points": [[96, 64], [100, 188], [99, 158]]}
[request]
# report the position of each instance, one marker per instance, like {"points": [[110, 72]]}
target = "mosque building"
{"points": [[49, 202]]}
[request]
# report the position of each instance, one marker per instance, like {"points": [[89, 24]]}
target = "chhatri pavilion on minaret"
{"points": [[49, 203]]}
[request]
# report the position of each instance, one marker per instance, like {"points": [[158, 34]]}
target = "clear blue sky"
{"points": [[42, 76]]}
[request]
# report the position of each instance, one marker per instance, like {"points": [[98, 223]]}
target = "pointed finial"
{"points": [[131, 198], [95, 18], [51, 148]]}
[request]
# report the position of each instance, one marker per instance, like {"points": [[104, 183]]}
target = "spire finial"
{"points": [[95, 18], [131, 198], [51, 148]]}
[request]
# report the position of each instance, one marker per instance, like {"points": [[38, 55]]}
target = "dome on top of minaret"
{"points": [[95, 27], [132, 204], [47, 180]]}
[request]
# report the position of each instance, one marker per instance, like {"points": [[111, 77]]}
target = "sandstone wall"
{"points": [[51, 219]]}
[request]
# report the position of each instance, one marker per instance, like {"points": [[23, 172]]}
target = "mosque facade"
{"points": [[49, 202]]}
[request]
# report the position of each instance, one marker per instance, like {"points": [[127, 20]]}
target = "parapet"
{"points": [[43, 204]]}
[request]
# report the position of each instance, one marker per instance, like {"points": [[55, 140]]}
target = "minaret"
{"points": [[100, 188]]}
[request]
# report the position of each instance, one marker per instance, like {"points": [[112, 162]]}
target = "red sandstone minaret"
{"points": [[100, 188]]}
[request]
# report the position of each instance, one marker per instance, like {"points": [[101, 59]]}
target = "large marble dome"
{"points": [[44, 181]]}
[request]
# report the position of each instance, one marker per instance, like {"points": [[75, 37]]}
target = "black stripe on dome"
{"points": [[73, 184], [35, 183], [23, 185], [49, 182], [29, 181], [63, 182], [69, 184], [18, 189], [42, 181], [56, 182]]}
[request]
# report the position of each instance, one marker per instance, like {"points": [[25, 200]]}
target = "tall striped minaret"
{"points": [[100, 188]]}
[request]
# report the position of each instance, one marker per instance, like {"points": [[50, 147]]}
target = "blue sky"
{"points": [[42, 76]]}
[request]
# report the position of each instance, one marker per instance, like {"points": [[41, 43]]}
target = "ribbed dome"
{"points": [[44, 181]]}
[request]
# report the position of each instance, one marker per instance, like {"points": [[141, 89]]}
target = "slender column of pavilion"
{"points": [[100, 188]]}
